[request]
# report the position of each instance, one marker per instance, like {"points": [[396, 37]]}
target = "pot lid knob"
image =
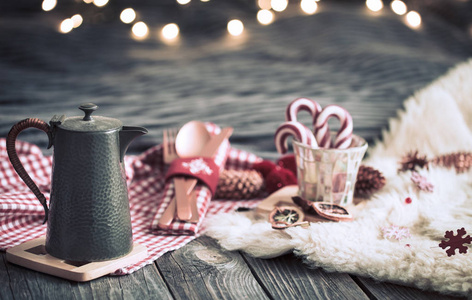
{"points": [[88, 109]]}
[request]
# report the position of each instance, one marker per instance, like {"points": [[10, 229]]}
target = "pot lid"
{"points": [[89, 123]]}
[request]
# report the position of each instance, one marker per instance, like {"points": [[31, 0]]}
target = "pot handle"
{"points": [[15, 161]]}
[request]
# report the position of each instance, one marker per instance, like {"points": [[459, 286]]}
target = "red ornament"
{"points": [[288, 162], [278, 178], [408, 200], [264, 167], [455, 242]]}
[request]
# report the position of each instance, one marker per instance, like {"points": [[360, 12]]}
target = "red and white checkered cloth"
{"points": [[21, 214]]}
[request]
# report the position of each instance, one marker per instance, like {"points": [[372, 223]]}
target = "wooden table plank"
{"points": [[28, 284], [146, 283], [385, 290], [22, 283], [5, 289], [286, 277], [203, 270]]}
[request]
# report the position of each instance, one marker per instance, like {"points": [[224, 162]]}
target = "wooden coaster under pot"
{"points": [[33, 255]]}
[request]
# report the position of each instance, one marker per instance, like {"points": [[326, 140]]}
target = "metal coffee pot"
{"points": [[88, 216]]}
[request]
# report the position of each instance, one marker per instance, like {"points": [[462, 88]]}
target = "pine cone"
{"points": [[461, 161], [413, 160], [368, 181], [239, 184]]}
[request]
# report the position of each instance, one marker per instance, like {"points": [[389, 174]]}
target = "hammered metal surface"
{"points": [[98, 123], [89, 208]]}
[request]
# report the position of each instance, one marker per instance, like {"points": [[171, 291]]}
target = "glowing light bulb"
{"points": [[279, 5], [140, 30], [183, 2], [88, 1], [204, 0], [127, 15], [413, 19], [309, 6], [77, 20], [374, 5], [66, 26], [170, 31], [48, 5], [398, 7], [235, 27], [100, 3], [264, 4], [265, 17]]}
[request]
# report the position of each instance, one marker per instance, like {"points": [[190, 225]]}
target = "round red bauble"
{"points": [[278, 178], [264, 167], [288, 162]]}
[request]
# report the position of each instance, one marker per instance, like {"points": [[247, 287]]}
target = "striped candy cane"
{"points": [[343, 137], [300, 104], [299, 132]]}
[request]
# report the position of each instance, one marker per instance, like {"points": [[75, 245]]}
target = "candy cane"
{"points": [[311, 138], [300, 104], [299, 132], [343, 137]]}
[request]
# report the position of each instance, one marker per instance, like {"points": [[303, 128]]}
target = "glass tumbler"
{"points": [[328, 175]]}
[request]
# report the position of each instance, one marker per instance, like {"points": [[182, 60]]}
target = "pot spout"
{"points": [[127, 135]]}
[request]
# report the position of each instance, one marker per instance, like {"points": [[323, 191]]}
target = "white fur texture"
{"points": [[436, 120]]}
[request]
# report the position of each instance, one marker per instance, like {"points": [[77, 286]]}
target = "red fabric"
{"points": [[203, 193], [21, 214], [205, 170]]}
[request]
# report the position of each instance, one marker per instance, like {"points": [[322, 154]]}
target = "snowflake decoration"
{"points": [[455, 242], [396, 232], [198, 166], [422, 182]]}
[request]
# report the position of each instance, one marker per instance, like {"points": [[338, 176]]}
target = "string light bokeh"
{"points": [[279, 5], [128, 15], [309, 6], [374, 5], [140, 30], [266, 15], [48, 5], [413, 19], [170, 31], [66, 26], [235, 27], [100, 3], [398, 7]]}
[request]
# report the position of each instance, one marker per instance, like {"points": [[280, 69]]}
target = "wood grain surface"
{"points": [[203, 270], [368, 63]]}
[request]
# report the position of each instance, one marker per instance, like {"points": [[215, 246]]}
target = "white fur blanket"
{"points": [[437, 120]]}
